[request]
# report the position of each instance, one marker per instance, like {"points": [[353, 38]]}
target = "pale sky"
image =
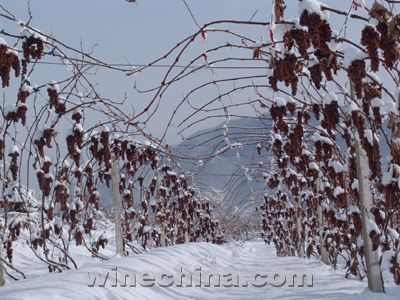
{"points": [[138, 33]]}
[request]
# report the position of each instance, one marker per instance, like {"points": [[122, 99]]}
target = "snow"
{"points": [[351, 107], [329, 98], [326, 140], [306, 152], [376, 102], [325, 184], [313, 165], [257, 45], [171, 173], [323, 139], [54, 86], [290, 100], [340, 216], [371, 226], [26, 87], [389, 106], [14, 149], [49, 176], [338, 191], [370, 136], [277, 136], [78, 127], [131, 210], [312, 6], [337, 166], [354, 209], [313, 60], [360, 3], [373, 78], [10, 109], [352, 53], [393, 234], [354, 185], [226, 129], [34, 32], [245, 259], [387, 176], [126, 193], [279, 101]]}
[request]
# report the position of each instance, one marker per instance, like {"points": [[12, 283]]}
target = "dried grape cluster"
{"points": [[319, 30], [302, 39], [44, 140], [8, 60], [328, 62], [357, 72], [316, 111], [33, 47], [395, 269], [14, 154], [372, 92], [279, 9], [316, 74], [18, 113], [388, 45], [370, 39], [54, 100], [331, 116], [45, 178], [23, 94], [284, 70]]}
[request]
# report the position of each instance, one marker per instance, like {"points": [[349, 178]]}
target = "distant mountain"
{"points": [[224, 176]]}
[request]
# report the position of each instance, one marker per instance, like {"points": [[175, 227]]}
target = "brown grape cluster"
{"points": [[316, 110], [279, 9], [328, 63], [395, 269], [44, 178], [285, 71], [44, 140], [371, 91], [55, 101], [18, 114], [316, 75], [33, 47], [23, 95], [101, 242], [357, 72], [61, 194], [14, 164], [370, 39], [302, 39], [331, 116], [388, 45], [8, 60], [319, 30], [291, 107]]}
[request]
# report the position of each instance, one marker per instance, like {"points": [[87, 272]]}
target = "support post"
{"points": [[375, 282], [116, 201]]}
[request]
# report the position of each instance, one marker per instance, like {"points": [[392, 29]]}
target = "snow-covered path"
{"points": [[246, 260]]}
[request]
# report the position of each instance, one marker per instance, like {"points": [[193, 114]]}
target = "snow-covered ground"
{"points": [[242, 260]]}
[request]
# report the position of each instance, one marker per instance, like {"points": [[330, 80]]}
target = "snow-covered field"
{"points": [[243, 260]]}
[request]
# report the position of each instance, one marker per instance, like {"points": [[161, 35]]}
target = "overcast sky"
{"points": [[138, 33]]}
